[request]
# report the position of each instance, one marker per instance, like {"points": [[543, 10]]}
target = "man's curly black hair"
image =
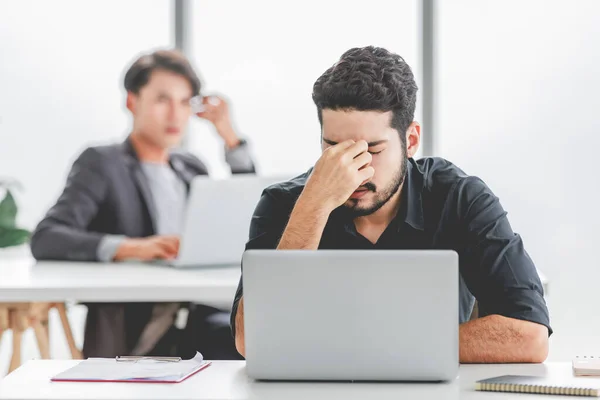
{"points": [[369, 79]]}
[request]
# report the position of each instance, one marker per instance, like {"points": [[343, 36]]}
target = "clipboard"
{"points": [[133, 370]]}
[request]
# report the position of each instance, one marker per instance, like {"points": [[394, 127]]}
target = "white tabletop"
{"points": [[24, 280], [228, 380]]}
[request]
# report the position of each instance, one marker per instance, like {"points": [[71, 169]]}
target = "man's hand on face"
{"points": [[216, 110], [149, 248], [341, 170]]}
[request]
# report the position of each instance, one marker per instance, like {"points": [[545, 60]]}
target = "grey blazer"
{"points": [[107, 193]]}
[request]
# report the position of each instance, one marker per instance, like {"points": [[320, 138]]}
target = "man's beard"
{"points": [[381, 197]]}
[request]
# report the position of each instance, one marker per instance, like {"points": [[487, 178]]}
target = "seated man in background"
{"points": [[367, 192], [127, 201]]}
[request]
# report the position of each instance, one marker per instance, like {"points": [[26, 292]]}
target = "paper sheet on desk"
{"points": [[143, 370]]}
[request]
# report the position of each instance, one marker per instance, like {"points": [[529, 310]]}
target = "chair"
{"points": [[20, 316]]}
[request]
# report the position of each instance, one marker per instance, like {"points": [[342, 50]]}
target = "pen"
{"points": [[138, 358]]}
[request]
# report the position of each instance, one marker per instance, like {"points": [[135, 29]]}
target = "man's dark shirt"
{"points": [[440, 208]]}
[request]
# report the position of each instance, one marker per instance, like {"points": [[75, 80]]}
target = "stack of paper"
{"points": [[586, 366]]}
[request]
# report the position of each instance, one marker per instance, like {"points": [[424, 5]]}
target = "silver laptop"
{"points": [[218, 219], [351, 315]]}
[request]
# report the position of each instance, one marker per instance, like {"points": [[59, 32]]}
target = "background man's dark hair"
{"points": [[139, 73], [369, 79]]}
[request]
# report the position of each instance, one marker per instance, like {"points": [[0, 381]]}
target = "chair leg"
{"points": [[15, 360], [4, 322], [62, 312], [41, 336], [1, 334]]}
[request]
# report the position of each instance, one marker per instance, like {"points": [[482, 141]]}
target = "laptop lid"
{"points": [[351, 314], [218, 219]]}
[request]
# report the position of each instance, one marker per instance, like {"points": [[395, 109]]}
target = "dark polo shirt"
{"points": [[441, 208]]}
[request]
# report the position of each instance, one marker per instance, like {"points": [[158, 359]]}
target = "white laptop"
{"points": [[367, 315], [217, 220]]}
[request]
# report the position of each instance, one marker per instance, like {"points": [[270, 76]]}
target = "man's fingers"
{"points": [[206, 114], [366, 174], [342, 146], [357, 148], [169, 247], [162, 254], [361, 160], [209, 107], [174, 238], [169, 243], [212, 103], [213, 99]]}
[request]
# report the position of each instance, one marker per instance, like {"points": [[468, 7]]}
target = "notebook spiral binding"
{"points": [[537, 389]]}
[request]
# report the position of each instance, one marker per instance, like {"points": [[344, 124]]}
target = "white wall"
{"points": [[265, 56], [62, 64], [519, 104], [61, 68]]}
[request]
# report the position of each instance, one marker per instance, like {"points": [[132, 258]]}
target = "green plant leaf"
{"points": [[8, 211], [13, 236]]}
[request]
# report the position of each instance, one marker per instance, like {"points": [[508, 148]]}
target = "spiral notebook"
{"points": [[541, 385]]}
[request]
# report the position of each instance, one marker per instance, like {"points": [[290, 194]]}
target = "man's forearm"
{"points": [[239, 329], [303, 232], [305, 226], [56, 241], [498, 339]]}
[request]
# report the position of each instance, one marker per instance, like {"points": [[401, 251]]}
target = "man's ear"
{"points": [[413, 139], [131, 102]]}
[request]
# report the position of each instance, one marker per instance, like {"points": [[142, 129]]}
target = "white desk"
{"points": [[228, 380], [24, 280]]}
